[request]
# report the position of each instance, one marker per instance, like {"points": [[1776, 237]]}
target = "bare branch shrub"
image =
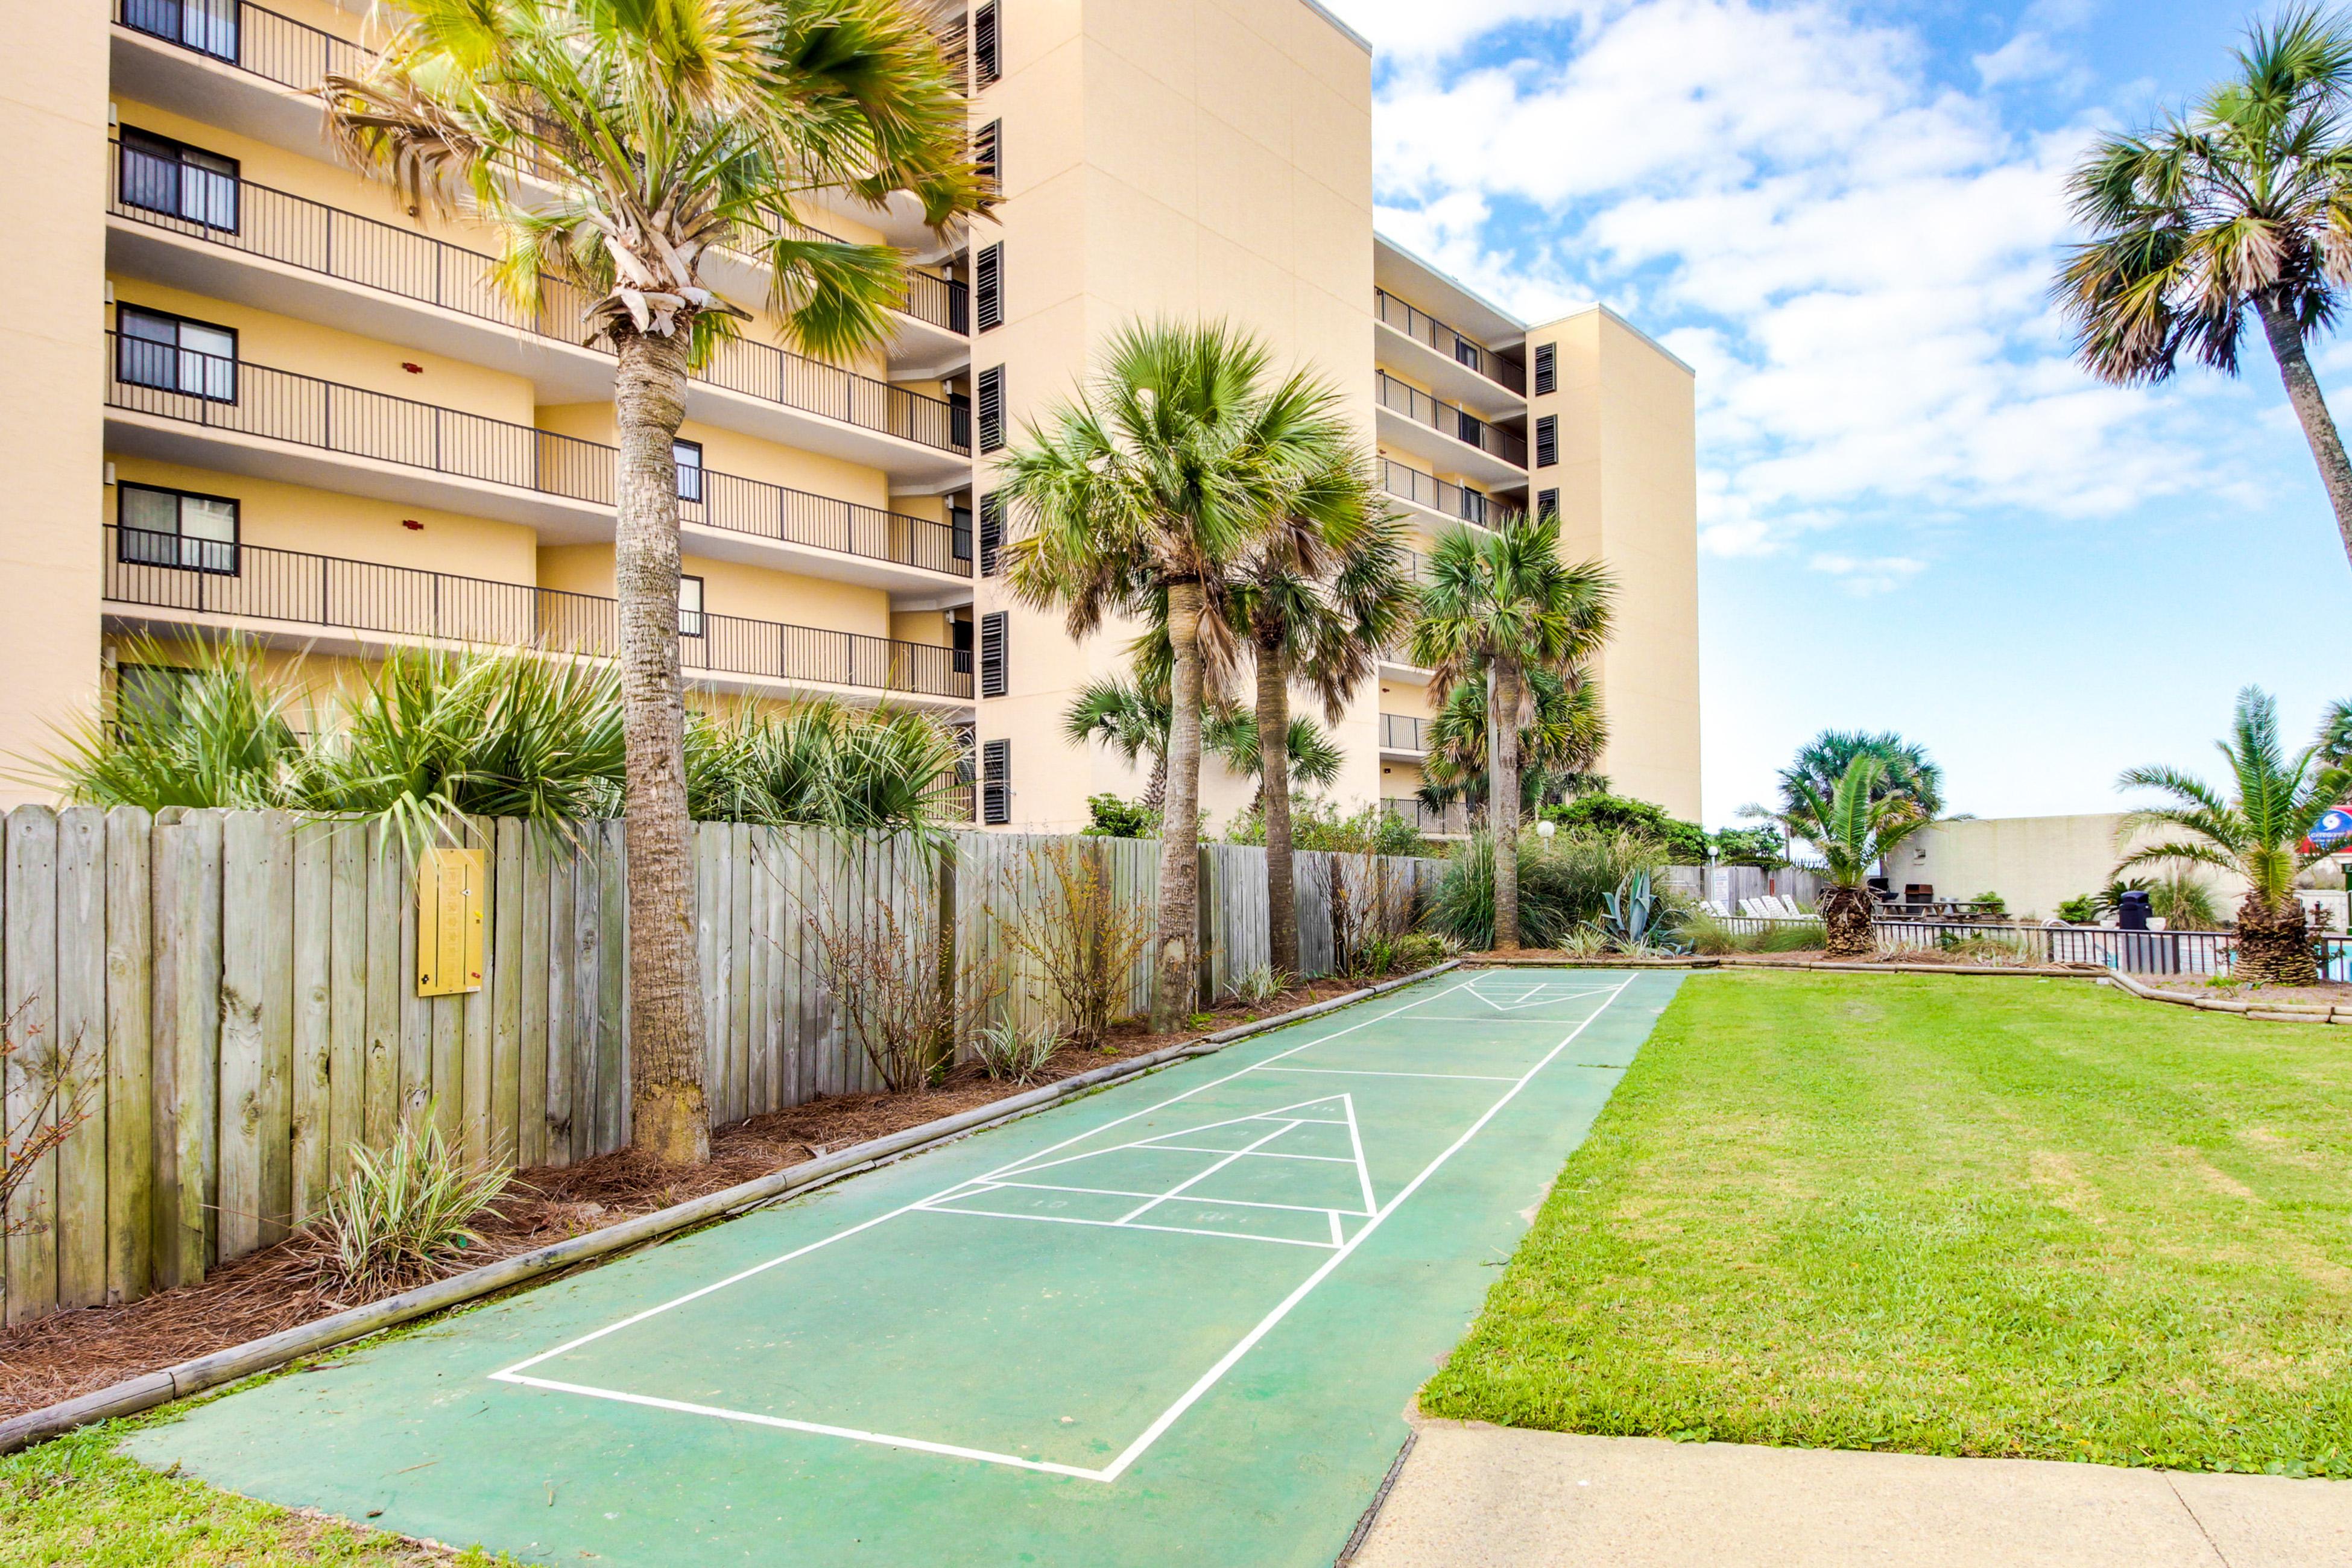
{"points": [[1371, 906], [906, 996], [45, 1103], [1058, 912]]}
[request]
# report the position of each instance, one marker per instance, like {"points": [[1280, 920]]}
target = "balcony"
{"points": [[1402, 734], [1451, 822], [1449, 360], [165, 579], [1447, 435], [190, 224], [1444, 500], [242, 417]]}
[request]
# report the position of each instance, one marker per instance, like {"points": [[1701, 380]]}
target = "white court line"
{"points": [[1368, 1072], [1123, 1193], [1124, 1225], [1261, 1154], [1168, 1417]]}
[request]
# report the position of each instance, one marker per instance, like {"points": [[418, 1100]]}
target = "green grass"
{"points": [[1946, 1216], [76, 1501]]}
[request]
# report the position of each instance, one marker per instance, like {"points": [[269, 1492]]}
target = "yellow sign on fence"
{"points": [[449, 923]]}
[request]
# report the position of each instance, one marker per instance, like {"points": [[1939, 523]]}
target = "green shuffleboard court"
{"points": [[1177, 1321]]}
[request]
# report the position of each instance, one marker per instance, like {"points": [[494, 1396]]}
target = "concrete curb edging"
{"points": [[152, 1389]]}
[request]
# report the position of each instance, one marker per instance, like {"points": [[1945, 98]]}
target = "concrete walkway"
{"points": [[1472, 1496]]}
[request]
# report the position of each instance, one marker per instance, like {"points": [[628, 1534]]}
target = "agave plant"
{"points": [[1636, 917]]}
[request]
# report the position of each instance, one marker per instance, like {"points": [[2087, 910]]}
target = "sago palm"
{"points": [[653, 132], [2257, 830], [2241, 207], [1494, 606], [1152, 484], [1315, 601], [1853, 825]]}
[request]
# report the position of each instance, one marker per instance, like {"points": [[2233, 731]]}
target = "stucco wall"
{"points": [[2034, 863]]}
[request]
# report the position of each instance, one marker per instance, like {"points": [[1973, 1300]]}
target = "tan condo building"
{"points": [[279, 405]]}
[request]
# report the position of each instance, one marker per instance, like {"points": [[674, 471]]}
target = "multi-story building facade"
{"points": [[260, 397]]}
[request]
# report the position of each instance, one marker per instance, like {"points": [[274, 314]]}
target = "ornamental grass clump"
{"points": [[1012, 1052], [403, 1216]]}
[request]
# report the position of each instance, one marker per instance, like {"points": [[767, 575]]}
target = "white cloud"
{"points": [[1855, 257], [1877, 574], [2028, 57]]}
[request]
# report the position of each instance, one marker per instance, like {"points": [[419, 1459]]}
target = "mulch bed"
{"points": [[2327, 993], [74, 1353]]}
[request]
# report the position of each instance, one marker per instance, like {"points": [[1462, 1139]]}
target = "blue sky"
{"points": [[1915, 512]]}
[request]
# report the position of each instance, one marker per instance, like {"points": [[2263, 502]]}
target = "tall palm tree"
{"points": [[1152, 483], [1316, 601], [2258, 832], [1494, 606], [1854, 824], [1307, 756], [2242, 205], [1905, 771], [1134, 717], [1558, 748], [655, 130]]}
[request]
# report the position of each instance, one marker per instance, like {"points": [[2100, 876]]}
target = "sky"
{"points": [[1915, 512]]}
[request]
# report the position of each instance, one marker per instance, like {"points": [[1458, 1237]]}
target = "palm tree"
{"points": [[1854, 824], [1906, 769], [1309, 755], [1494, 607], [654, 134], [2243, 205], [1557, 749], [1316, 601], [2259, 833], [1133, 718], [1152, 484]]}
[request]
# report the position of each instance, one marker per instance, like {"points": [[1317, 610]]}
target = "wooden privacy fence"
{"points": [[235, 995]]}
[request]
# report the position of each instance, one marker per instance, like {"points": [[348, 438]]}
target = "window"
{"points": [[1547, 503], [992, 408], [988, 287], [207, 26], [1547, 368], [959, 421], [986, 59], [689, 458], [992, 531], [1547, 441], [689, 607], [959, 533], [996, 783], [1469, 427], [992, 654], [988, 153], [1465, 351], [145, 694], [173, 354], [959, 639], [175, 528], [162, 176]]}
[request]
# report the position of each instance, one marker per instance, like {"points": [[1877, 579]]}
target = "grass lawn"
{"points": [[76, 1501], [2018, 1217]]}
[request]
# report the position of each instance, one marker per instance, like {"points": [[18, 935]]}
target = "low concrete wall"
{"points": [[2034, 863]]}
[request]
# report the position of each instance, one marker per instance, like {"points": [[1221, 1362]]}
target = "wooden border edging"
{"points": [[149, 1390]]}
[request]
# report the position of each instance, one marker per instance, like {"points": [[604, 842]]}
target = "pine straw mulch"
{"points": [[74, 1353]]}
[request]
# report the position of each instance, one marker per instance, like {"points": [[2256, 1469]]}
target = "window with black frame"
{"points": [[689, 458], [149, 694], [207, 26], [160, 175], [172, 353], [689, 607], [179, 528], [960, 640]]}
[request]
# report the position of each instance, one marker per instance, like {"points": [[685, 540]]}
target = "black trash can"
{"points": [[2131, 911]]}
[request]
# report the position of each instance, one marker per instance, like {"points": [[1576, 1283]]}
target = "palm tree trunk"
{"points": [[1503, 797], [1177, 975], [1155, 791], [1274, 792], [1845, 922], [669, 1117], [2311, 407]]}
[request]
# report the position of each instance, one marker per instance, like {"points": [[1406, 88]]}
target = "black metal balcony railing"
{"points": [[259, 582], [250, 38], [1441, 496], [1450, 419], [327, 240], [1424, 328], [173, 382], [1403, 732], [1427, 818]]}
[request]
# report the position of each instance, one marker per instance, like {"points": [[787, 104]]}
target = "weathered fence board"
{"points": [[82, 1034], [28, 1000], [130, 1058]]}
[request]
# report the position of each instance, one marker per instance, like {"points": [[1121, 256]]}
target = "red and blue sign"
{"points": [[2333, 828]]}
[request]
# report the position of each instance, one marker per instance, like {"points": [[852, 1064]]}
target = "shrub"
{"points": [[1255, 987], [1319, 824], [1993, 903], [2080, 910], [1014, 1053], [1115, 818], [902, 999], [2185, 903], [1685, 843], [1371, 903], [1761, 846], [1060, 915], [1419, 950], [1564, 881], [45, 1101], [402, 1215]]}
